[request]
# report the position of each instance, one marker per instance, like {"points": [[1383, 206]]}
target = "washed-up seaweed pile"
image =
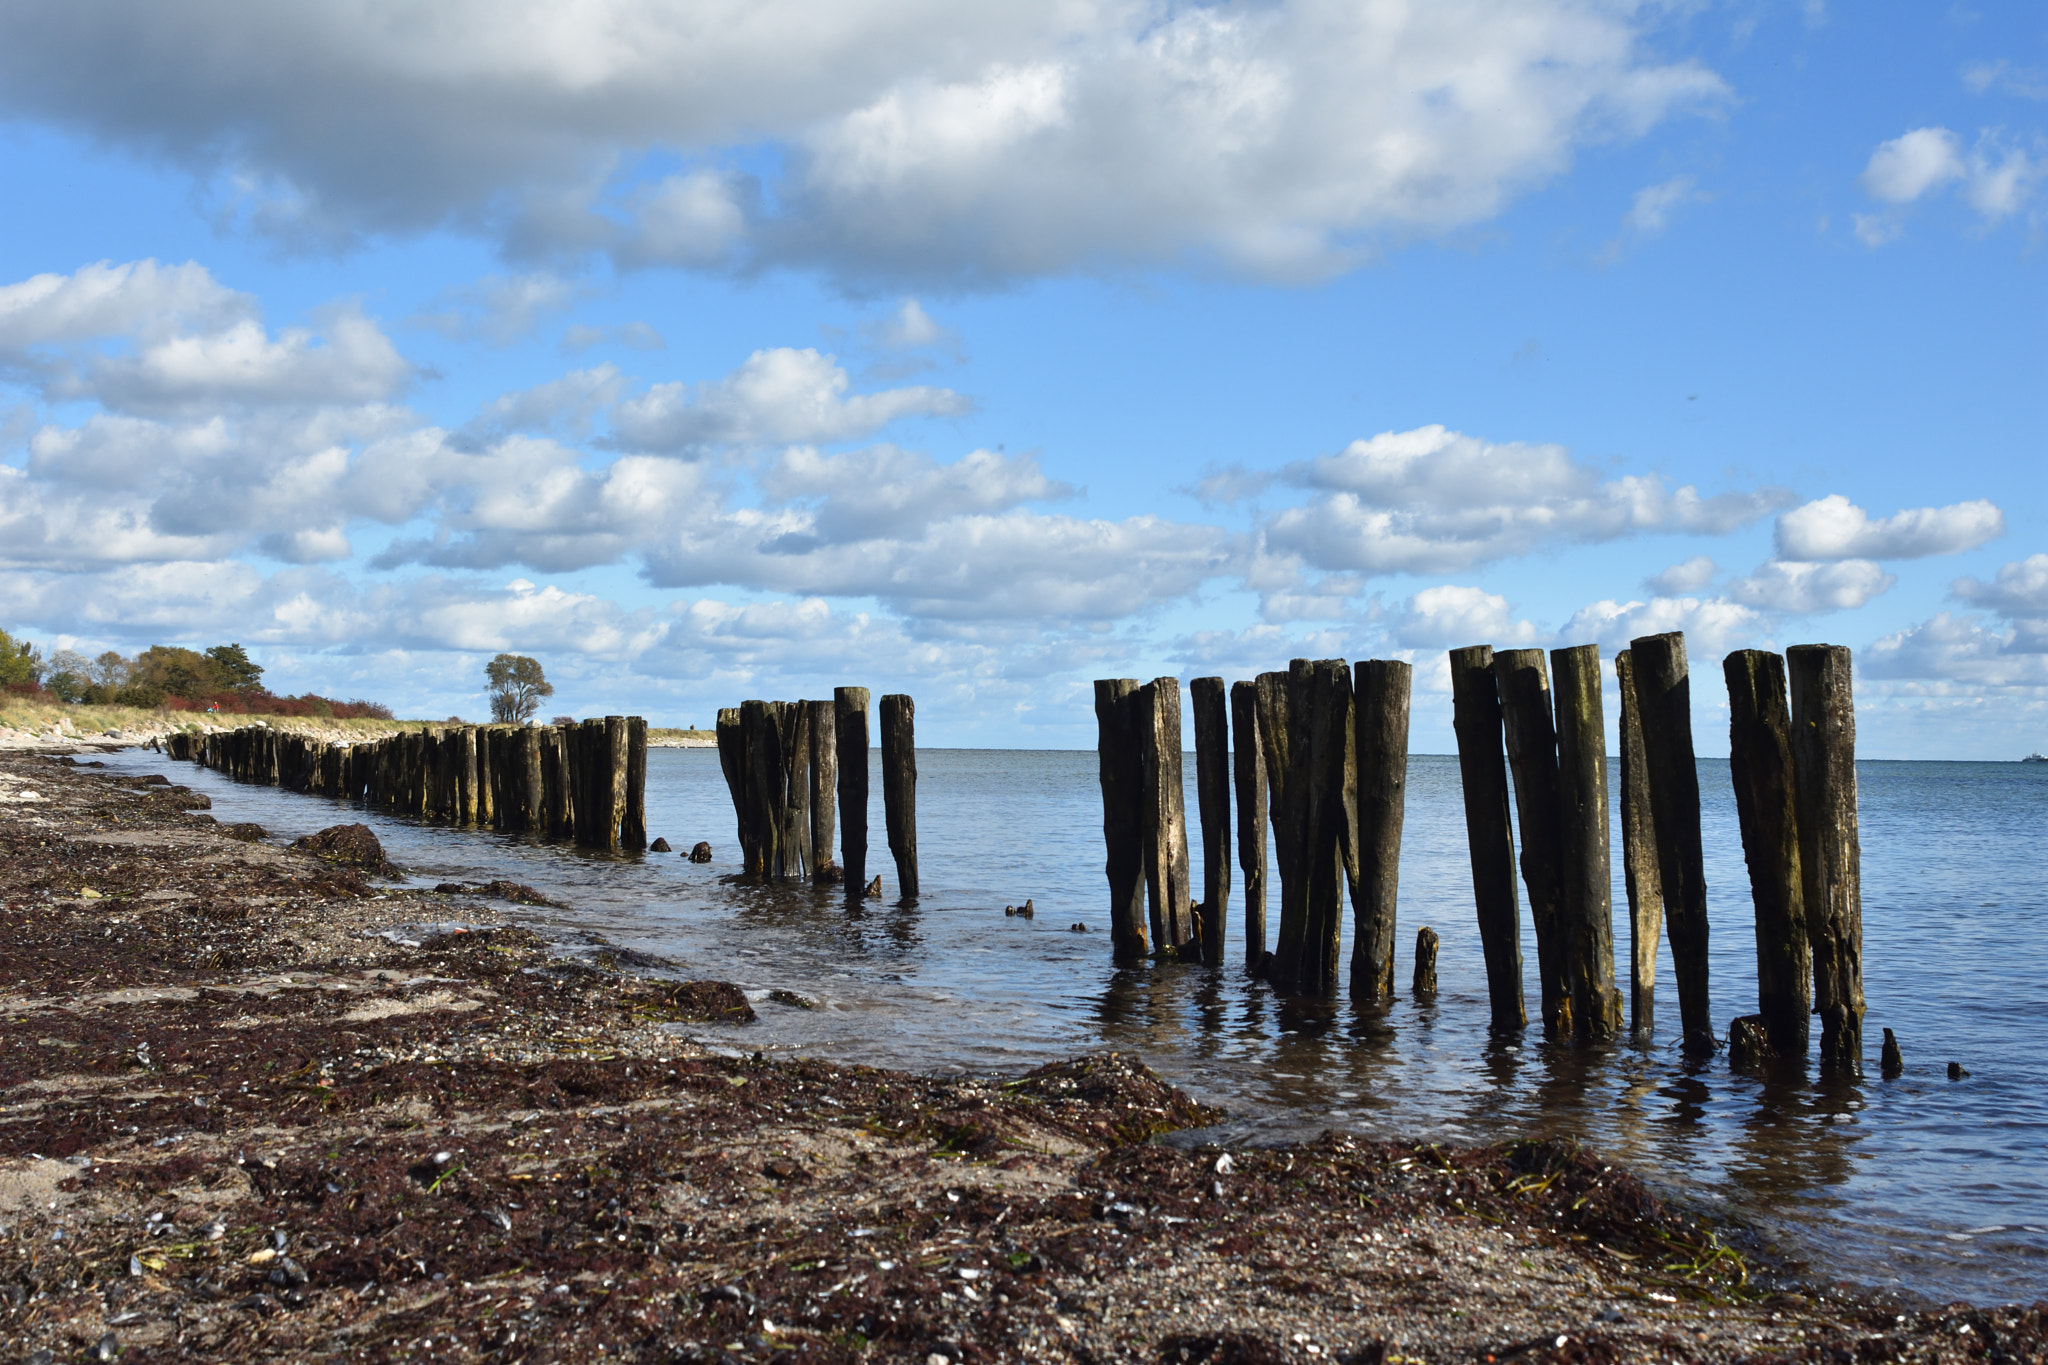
{"points": [[256, 1103]]}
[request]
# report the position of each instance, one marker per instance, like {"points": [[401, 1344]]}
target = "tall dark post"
{"points": [[899, 787], [1162, 807], [1284, 739], [1532, 761], [1638, 860], [824, 738], [1212, 789], [761, 741], [1381, 691], [487, 776], [850, 734], [794, 791], [1588, 905], [532, 787], [1333, 823], [1830, 848], [560, 797], [1664, 702], [1475, 714], [633, 829], [1248, 767], [732, 761], [1122, 778], [1760, 762]]}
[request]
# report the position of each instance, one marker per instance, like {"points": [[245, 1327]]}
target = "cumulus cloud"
{"points": [[889, 492], [1451, 616], [914, 139], [2019, 594], [1995, 177], [1832, 528], [778, 396], [1807, 588], [564, 406], [500, 309], [1687, 577], [133, 299], [1712, 625], [1433, 500], [1911, 164]]}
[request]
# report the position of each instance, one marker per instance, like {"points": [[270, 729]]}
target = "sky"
{"points": [[717, 350]]}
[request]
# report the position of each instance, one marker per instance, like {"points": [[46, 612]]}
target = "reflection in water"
{"points": [[1939, 1183]]}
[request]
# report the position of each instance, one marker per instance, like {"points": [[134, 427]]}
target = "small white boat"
{"points": [[2035, 758]]}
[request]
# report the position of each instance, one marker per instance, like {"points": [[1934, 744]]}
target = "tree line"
{"points": [[220, 678]]}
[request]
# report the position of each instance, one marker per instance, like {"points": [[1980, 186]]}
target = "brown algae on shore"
{"points": [[245, 1117]]}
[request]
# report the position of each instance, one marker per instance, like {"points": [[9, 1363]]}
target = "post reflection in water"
{"points": [[1939, 1182]]}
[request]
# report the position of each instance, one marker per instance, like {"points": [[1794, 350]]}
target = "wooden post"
{"points": [[633, 831], [1381, 690], [1638, 860], [560, 794], [1830, 848], [1281, 737], [1333, 822], [1162, 810], [1423, 987], [1664, 702], [794, 791], [761, 825], [488, 752], [824, 765], [1212, 790], [732, 761], [899, 788], [1248, 767], [850, 735], [1588, 904], [1760, 761], [1122, 778], [532, 792], [1475, 714], [1525, 709]]}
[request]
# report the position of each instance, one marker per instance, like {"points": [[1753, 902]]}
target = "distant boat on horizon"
{"points": [[2035, 758]]}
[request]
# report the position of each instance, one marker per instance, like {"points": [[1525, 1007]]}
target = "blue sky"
{"points": [[708, 352]]}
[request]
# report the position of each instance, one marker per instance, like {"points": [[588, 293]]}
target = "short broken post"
{"points": [[1475, 710], [1423, 986], [1212, 788], [899, 788]]}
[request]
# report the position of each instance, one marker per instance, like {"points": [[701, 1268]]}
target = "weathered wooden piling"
{"points": [[1211, 706], [1638, 860], [1526, 713], [633, 826], [557, 777], [1380, 690], [1663, 689], [732, 760], [899, 788], [1423, 986], [1475, 710], [761, 828], [1162, 814], [1587, 908], [1248, 768], [850, 734], [1766, 804], [1830, 847], [1331, 867], [1287, 795], [531, 788], [794, 796], [1122, 778], [824, 767]]}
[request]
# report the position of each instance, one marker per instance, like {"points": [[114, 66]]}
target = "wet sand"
{"points": [[263, 1105]]}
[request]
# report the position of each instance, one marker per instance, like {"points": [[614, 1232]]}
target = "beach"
{"points": [[261, 1104]]}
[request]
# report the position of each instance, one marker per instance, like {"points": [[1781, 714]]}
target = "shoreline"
{"points": [[469, 1135]]}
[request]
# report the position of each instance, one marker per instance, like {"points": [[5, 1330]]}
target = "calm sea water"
{"points": [[1936, 1186]]}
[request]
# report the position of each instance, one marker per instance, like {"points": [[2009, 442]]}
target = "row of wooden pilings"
{"points": [[1321, 757], [792, 766], [584, 781]]}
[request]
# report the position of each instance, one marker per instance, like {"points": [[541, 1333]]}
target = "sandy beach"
{"points": [[261, 1103]]}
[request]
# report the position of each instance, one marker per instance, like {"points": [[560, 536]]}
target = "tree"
{"points": [[70, 675], [170, 671], [516, 687], [237, 671], [21, 663], [110, 671]]}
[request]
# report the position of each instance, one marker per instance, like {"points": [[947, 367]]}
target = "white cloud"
{"points": [[911, 328], [1654, 205], [777, 397], [1804, 588], [1686, 577], [1912, 164], [2027, 82], [501, 309], [134, 299], [1835, 528], [1996, 178], [566, 406], [1437, 501], [1712, 625], [1451, 616], [915, 139], [888, 492], [2019, 593]]}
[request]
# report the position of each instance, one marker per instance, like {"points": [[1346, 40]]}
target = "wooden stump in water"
{"points": [[1475, 713], [1760, 762], [732, 762], [1830, 847], [1587, 908], [1893, 1062], [761, 825], [1423, 987], [850, 735], [1525, 708], [824, 766], [1749, 1042], [1287, 807], [633, 828], [531, 789], [613, 761], [794, 791], [1248, 768], [1663, 689], [1121, 775], [558, 778], [899, 788], [1380, 689], [1638, 860], [1212, 789], [1162, 813], [1332, 868]]}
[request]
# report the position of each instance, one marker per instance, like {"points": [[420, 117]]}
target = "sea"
{"points": [[1931, 1187]]}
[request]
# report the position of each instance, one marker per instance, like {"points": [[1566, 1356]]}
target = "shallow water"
{"points": [[1935, 1186]]}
